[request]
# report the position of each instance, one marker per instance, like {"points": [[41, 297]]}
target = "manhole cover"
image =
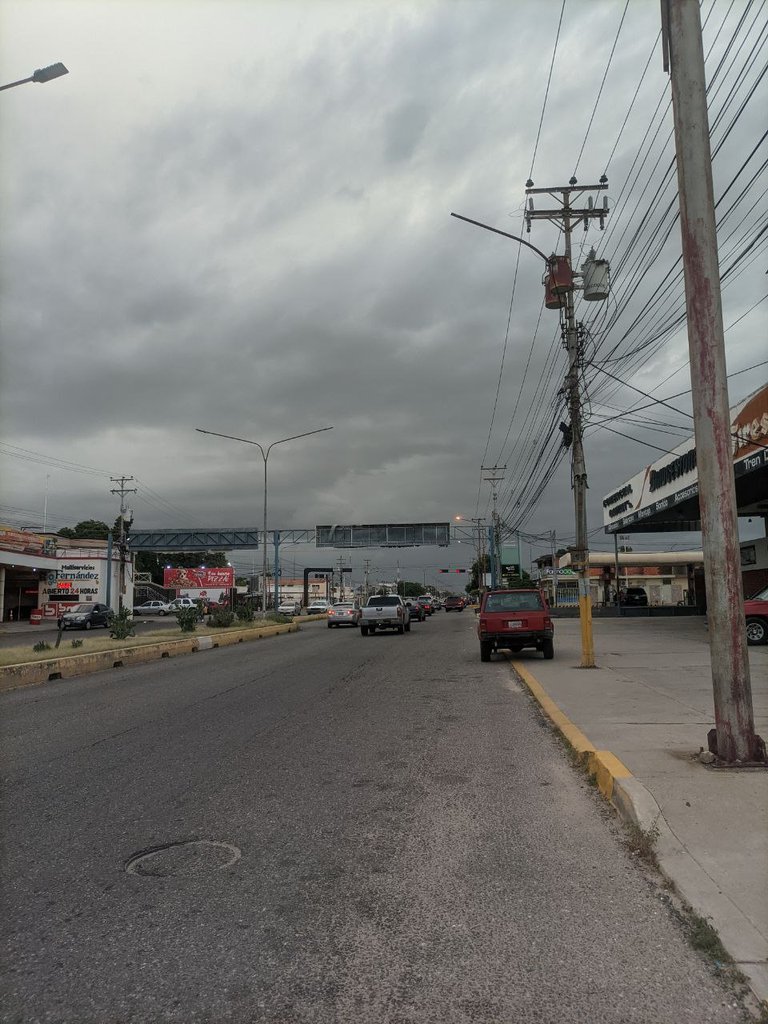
{"points": [[185, 858]]}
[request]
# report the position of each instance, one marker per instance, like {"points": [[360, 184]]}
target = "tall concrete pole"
{"points": [[736, 739], [578, 463]]}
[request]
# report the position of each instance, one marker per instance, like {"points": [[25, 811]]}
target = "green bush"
{"points": [[77, 643], [41, 645], [121, 624], [245, 613], [221, 618], [187, 619], [274, 619]]}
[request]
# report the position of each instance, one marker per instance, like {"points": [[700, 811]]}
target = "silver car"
{"points": [[344, 613]]}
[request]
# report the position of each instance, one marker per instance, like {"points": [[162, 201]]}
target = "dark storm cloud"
{"points": [[264, 246]]}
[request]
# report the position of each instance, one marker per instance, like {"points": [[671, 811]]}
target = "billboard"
{"points": [[21, 542], [384, 535], [510, 559], [199, 579]]}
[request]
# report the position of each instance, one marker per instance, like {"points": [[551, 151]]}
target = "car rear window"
{"points": [[523, 602], [383, 602]]}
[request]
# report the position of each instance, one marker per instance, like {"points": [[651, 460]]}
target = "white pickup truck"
{"points": [[388, 611]]}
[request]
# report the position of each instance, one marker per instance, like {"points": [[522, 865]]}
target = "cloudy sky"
{"points": [[236, 216]]}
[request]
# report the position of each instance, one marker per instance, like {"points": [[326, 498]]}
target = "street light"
{"points": [[41, 75], [265, 456]]}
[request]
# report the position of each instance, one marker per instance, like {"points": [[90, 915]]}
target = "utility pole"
{"points": [[493, 479], [366, 571], [553, 539], [560, 281], [734, 738], [341, 577], [122, 490]]}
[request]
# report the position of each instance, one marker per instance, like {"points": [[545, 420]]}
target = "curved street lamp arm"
{"points": [[294, 437], [231, 437], [505, 233]]}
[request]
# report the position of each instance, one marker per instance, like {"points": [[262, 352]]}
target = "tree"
{"points": [[88, 529], [479, 567], [407, 589]]}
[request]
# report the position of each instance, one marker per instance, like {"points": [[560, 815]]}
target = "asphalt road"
{"points": [[413, 844]]}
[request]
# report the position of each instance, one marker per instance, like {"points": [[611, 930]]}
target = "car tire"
{"points": [[161, 611], [548, 649], [486, 648], [401, 629], [330, 625], [408, 627], [363, 631], [88, 624], [757, 631]]}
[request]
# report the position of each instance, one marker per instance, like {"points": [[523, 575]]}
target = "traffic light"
{"points": [[453, 570]]}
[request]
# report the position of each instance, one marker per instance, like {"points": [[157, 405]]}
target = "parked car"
{"points": [[318, 607], [181, 602], [514, 619], [454, 604], [343, 613], [415, 610], [633, 596], [152, 608], [756, 611], [385, 611], [86, 616], [289, 608]]}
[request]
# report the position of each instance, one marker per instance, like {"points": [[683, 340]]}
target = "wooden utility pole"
{"points": [[565, 217], [734, 735]]}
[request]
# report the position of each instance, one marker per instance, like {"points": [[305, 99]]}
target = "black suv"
{"points": [[634, 596]]}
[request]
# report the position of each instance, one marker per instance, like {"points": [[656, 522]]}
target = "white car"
{"points": [[343, 613], [318, 607], [289, 608], [181, 602], [152, 608]]}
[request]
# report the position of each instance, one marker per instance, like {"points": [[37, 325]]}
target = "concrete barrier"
{"points": [[34, 673]]}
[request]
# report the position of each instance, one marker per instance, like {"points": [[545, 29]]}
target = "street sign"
{"points": [[384, 535]]}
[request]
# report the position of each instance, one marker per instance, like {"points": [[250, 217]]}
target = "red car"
{"points": [[756, 610], [454, 604], [514, 619]]}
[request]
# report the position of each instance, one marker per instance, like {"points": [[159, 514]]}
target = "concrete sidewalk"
{"points": [[650, 704]]}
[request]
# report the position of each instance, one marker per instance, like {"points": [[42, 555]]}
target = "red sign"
{"points": [[199, 579]]}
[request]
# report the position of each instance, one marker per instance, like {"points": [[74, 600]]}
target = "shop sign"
{"points": [[671, 482], [750, 425], [72, 581]]}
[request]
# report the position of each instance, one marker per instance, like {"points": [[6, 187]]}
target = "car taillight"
{"points": [[547, 622]]}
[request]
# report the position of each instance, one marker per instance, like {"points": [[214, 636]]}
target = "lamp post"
{"points": [[265, 457], [41, 75]]}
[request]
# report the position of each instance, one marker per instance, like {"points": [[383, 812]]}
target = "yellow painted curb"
{"points": [[575, 737], [604, 766], [34, 673]]}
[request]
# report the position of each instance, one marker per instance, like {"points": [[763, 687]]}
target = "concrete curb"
{"points": [[35, 673], [635, 805]]}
